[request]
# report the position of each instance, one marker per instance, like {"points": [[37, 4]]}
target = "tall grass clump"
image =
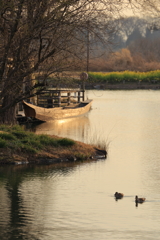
{"points": [[99, 141]]}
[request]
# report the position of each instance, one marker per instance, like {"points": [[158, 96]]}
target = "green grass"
{"points": [[2, 143], [45, 140], [20, 134], [127, 76], [65, 142], [17, 138], [7, 136]]}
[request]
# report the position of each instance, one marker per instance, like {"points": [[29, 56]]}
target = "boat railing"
{"points": [[60, 97]]}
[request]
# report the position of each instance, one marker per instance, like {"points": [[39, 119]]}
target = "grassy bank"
{"points": [[124, 77], [18, 145], [113, 80]]}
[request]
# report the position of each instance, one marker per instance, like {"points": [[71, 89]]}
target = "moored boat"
{"points": [[59, 103], [49, 114]]}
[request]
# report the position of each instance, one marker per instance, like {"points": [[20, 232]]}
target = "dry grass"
{"points": [[79, 150]]}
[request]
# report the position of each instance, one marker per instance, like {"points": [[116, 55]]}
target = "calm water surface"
{"points": [[75, 202]]}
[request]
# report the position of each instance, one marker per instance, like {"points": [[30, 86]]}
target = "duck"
{"points": [[118, 195], [139, 200]]}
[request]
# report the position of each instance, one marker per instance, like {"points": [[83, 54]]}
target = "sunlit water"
{"points": [[76, 201]]}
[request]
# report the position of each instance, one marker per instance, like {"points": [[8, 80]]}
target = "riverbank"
{"points": [[22, 147], [123, 86], [125, 80]]}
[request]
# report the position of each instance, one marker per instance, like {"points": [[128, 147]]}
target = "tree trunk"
{"points": [[9, 115]]}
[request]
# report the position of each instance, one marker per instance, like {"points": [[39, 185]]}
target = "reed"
{"points": [[97, 141]]}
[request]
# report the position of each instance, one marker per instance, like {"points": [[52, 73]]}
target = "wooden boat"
{"points": [[49, 114]]}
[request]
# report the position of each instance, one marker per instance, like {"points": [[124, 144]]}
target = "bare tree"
{"points": [[42, 37]]}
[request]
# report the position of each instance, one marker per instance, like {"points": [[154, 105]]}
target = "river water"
{"points": [[76, 201]]}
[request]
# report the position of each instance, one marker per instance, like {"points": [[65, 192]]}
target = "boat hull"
{"points": [[49, 114]]}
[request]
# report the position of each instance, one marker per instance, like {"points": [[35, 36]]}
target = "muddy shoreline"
{"points": [[45, 158]]}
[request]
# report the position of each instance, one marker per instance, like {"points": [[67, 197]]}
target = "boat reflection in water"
{"points": [[71, 128]]}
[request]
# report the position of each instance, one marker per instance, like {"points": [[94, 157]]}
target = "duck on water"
{"points": [[139, 200], [118, 195]]}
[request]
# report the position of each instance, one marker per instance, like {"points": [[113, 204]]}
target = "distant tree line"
{"points": [[135, 47]]}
